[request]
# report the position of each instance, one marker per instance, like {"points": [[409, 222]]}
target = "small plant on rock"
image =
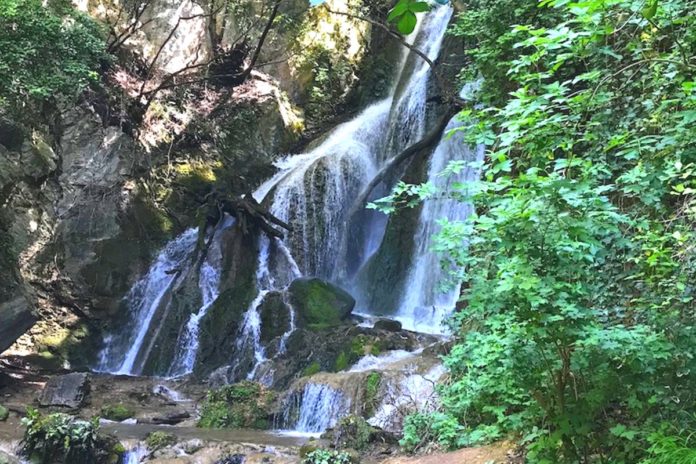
{"points": [[245, 404], [322, 456], [159, 440]]}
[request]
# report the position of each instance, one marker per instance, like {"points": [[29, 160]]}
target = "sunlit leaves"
{"points": [[404, 14]]}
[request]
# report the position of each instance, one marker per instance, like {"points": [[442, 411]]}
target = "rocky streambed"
{"points": [[186, 420]]}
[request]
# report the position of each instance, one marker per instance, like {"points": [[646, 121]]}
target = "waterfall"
{"points": [[126, 352], [320, 407], [135, 455], [208, 284], [424, 304], [313, 192], [123, 352]]}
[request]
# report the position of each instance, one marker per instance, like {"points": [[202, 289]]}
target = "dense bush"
{"points": [[60, 438], [49, 51], [576, 332], [245, 404]]}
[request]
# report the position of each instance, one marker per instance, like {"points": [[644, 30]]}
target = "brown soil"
{"points": [[497, 453]]}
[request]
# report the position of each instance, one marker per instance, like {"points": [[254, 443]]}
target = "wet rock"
{"points": [[16, 316], [389, 325], [68, 390], [171, 418], [234, 459], [320, 304], [352, 432], [8, 459], [275, 317]]}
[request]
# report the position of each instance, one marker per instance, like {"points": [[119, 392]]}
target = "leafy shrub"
{"points": [[576, 329], [158, 440], [116, 412], [322, 456], [60, 438], [352, 432], [48, 50], [245, 404]]}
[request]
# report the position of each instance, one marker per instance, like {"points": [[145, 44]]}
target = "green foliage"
{"points": [[60, 438], [576, 332], [47, 52], [373, 382], [116, 412], [341, 362], [676, 448], [404, 14], [158, 440], [312, 369], [352, 432], [245, 404], [322, 456]]}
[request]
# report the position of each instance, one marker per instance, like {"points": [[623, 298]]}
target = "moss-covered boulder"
{"points": [[352, 432], [245, 404], [319, 304], [4, 413], [116, 412], [158, 440]]}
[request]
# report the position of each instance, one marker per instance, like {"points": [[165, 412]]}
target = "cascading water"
{"points": [[135, 455], [124, 352], [314, 192], [425, 305], [209, 285], [320, 406]]}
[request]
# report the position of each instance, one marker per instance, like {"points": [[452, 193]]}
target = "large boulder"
{"points": [[17, 317], [319, 304], [68, 390]]}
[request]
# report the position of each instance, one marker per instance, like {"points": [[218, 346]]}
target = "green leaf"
{"points": [[419, 7], [398, 10], [650, 10], [407, 23]]}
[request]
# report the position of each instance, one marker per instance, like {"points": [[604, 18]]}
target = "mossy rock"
{"points": [[320, 304], [373, 382], [4, 413], [158, 440], [242, 405], [352, 432], [116, 412], [275, 317], [313, 368]]}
